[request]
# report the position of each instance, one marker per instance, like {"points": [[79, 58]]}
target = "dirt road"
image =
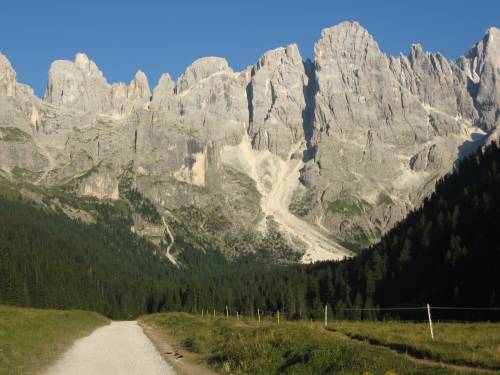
{"points": [[119, 348]]}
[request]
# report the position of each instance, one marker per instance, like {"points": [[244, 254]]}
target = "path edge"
{"points": [[183, 365], [45, 369]]}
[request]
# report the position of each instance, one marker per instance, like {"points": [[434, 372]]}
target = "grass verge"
{"points": [[244, 347], [30, 339], [472, 344]]}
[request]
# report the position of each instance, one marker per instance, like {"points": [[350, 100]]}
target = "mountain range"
{"points": [[330, 152]]}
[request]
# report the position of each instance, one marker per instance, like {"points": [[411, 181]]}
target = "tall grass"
{"points": [[473, 344], [31, 339], [247, 347]]}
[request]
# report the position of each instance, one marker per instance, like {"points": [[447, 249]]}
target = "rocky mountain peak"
{"points": [[78, 84], [487, 50], [288, 55], [9, 85], [139, 86], [165, 84], [492, 39], [7, 76], [276, 94], [4, 63], [347, 40], [201, 69], [482, 65], [490, 48], [83, 62], [163, 92], [416, 51]]}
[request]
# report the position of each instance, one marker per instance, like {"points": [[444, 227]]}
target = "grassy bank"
{"points": [[30, 339], [245, 347], [475, 344]]}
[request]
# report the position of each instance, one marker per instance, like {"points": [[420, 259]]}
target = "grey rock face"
{"points": [[7, 76], [482, 64], [367, 134], [8, 84], [435, 80], [428, 159], [211, 99], [163, 94], [135, 96], [277, 101], [80, 85], [202, 69], [382, 125]]}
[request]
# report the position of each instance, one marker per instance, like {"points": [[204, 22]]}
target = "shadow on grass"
{"points": [[293, 359]]}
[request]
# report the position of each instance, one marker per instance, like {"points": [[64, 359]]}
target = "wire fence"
{"points": [[430, 315], [442, 314]]}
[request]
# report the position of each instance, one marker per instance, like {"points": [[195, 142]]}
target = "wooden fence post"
{"points": [[430, 321], [326, 315]]}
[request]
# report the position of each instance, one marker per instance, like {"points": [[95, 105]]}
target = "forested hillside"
{"points": [[446, 253], [49, 260], [93, 261], [58, 250]]}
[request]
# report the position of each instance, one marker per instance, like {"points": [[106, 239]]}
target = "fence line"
{"points": [[380, 309], [422, 308], [266, 314], [275, 315], [466, 308]]}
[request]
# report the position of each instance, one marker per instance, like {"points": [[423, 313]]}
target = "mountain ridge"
{"points": [[366, 135]]}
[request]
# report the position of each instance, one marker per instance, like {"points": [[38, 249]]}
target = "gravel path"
{"points": [[119, 348]]}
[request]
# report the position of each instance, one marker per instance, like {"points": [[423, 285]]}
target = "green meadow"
{"points": [[31, 339], [234, 346]]}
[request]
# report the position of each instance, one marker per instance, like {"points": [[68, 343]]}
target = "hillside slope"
{"points": [[446, 253], [59, 250]]}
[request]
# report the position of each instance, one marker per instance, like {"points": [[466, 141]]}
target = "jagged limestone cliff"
{"points": [[332, 151]]}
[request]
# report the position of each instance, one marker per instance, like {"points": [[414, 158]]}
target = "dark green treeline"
{"points": [[446, 253]]}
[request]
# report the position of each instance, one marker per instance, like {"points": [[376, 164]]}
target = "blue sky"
{"points": [[156, 36]]}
